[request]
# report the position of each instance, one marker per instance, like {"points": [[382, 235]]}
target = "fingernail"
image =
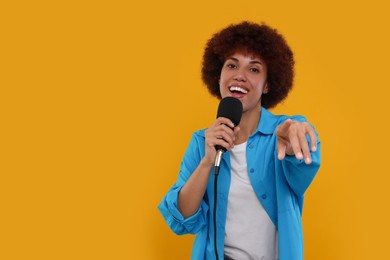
{"points": [[308, 160], [314, 148], [299, 156]]}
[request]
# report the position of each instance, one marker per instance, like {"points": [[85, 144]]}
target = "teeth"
{"points": [[238, 89]]}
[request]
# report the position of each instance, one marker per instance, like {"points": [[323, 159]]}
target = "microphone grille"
{"points": [[230, 108]]}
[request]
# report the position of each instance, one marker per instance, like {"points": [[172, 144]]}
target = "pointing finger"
{"points": [[282, 130]]}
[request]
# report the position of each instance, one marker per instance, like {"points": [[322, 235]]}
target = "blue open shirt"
{"points": [[279, 186]]}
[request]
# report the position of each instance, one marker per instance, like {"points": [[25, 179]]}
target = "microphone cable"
{"points": [[216, 172]]}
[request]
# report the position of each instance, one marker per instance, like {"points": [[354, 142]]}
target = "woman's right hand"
{"points": [[222, 133]]}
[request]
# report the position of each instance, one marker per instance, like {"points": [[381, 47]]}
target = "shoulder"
{"points": [[197, 139], [199, 133]]}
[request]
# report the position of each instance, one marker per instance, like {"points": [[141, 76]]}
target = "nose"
{"points": [[240, 76]]}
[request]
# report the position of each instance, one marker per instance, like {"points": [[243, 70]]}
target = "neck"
{"points": [[248, 124]]}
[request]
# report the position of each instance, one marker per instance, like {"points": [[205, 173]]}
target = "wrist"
{"points": [[207, 163]]}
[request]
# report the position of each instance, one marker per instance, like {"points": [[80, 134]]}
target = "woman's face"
{"points": [[244, 76]]}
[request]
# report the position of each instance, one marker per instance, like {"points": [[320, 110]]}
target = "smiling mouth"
{"points": [[238, 90]]}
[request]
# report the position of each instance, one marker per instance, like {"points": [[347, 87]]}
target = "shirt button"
{"points": [[250, 146], [252, 170], [264, 196]]}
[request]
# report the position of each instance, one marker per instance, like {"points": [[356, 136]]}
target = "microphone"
{"points": [[230, 108]]}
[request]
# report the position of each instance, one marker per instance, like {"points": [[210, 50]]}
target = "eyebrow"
{"points": [[251, 62]]}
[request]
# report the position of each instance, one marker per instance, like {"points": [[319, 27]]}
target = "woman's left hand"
{"points": [[292, 140]]}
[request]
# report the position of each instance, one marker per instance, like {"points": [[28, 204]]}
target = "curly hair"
{"points": [[256, 39]]}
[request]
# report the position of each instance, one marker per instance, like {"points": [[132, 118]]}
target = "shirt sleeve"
{"points": [[298, 174], [168, 206]]}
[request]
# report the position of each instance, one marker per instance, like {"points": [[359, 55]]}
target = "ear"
{"points": [[266, 88]]}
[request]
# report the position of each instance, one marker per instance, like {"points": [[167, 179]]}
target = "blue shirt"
{"points": [[279, 186]]}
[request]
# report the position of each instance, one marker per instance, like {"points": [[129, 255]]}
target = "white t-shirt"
{"points": [[249, 232]]}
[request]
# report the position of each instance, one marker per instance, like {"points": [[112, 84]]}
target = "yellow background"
{"points": [[99, 100]]}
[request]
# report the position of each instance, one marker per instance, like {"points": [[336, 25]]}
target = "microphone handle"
{"points": [[218, 157]]}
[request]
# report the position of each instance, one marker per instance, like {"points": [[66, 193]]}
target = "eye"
{"points": [[255, 70], [231, 65]]}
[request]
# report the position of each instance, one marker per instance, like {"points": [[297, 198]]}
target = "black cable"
{"points": [[216, 171]]}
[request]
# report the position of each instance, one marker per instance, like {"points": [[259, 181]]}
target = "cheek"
{"points": [[260, 84], [222, 77], [223, 80]]}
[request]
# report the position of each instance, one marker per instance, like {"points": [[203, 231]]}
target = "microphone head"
{"points": [[230, 108]]}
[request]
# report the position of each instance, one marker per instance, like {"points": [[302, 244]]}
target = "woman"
{"points": [[270, 160]]}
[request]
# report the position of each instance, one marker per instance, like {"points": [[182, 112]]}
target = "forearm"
{"points": [[191, 195]]}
